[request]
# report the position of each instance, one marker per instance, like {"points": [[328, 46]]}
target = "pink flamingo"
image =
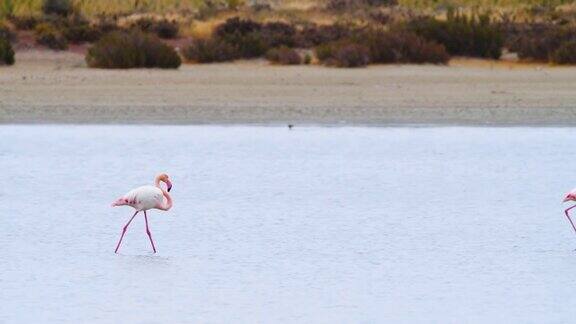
{"points": [[571, 196], [144, 198]]}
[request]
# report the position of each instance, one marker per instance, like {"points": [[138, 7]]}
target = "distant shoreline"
{"points": [[55, 88]]}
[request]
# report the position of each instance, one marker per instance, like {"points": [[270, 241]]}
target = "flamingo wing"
{"points": [[141, 198]]}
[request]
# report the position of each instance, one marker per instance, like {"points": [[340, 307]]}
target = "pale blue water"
{"points": [[314, 225]]}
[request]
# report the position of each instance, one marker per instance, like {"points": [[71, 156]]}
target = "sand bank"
{"points": [[49, 87]]}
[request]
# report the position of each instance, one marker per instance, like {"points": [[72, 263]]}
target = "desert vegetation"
{"points": [[284, 56], [339, 33], [6, 52], [209, 51], [134, 49], [466, 35]]}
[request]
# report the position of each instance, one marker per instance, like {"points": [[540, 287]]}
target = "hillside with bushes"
{"points": [[337, 33]]}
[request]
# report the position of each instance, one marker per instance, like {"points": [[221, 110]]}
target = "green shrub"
{"points": [[474, 36], [283, 55], [57, 7], [6, 52], [565, 54], [209, 50], [134, 49], [307, 59], [50, 36]]}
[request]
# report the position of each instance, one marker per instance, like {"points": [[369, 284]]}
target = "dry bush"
{"points": [[50, 36], [244, 35], [134, 49], [341, 5], [277, 34], [78, 30], [164, 28], [253, 39], [401, 47], [24, 22], [237, 26], [565, 54], [204, 29], [78, 34], [352, 55], [542, 44], [314, 35], [7, 33], [209, 50], [167, 29], [284, 56], [343, 54]]}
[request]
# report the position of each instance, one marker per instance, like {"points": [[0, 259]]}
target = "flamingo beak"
{"points": [[169, 185]]}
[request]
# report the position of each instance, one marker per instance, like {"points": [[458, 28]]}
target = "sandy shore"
{"points": [[47, 87]]}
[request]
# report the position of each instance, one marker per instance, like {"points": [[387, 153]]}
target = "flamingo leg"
{"points": [[124, 231], [570, 219], [150, 234]]}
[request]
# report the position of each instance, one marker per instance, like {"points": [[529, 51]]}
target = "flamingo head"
{"points": [[570, 197], [164, 178]]}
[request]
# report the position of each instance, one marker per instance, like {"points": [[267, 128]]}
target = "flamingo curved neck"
{"points": [[168, 204]]}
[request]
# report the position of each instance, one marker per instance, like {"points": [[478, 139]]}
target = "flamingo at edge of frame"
{"points": [[570, 196], [145, 198]]}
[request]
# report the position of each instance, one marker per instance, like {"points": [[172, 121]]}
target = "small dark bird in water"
{"points": [[290, 126]]}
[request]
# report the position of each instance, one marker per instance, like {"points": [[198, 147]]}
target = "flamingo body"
{"points": [[145, 198], [142, 198]]}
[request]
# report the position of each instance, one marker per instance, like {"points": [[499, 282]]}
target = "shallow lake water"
{"points": [[313, 225]]}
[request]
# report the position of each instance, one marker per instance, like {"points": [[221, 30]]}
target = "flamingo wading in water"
{"points": [[145, 198], [571, 196]]}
